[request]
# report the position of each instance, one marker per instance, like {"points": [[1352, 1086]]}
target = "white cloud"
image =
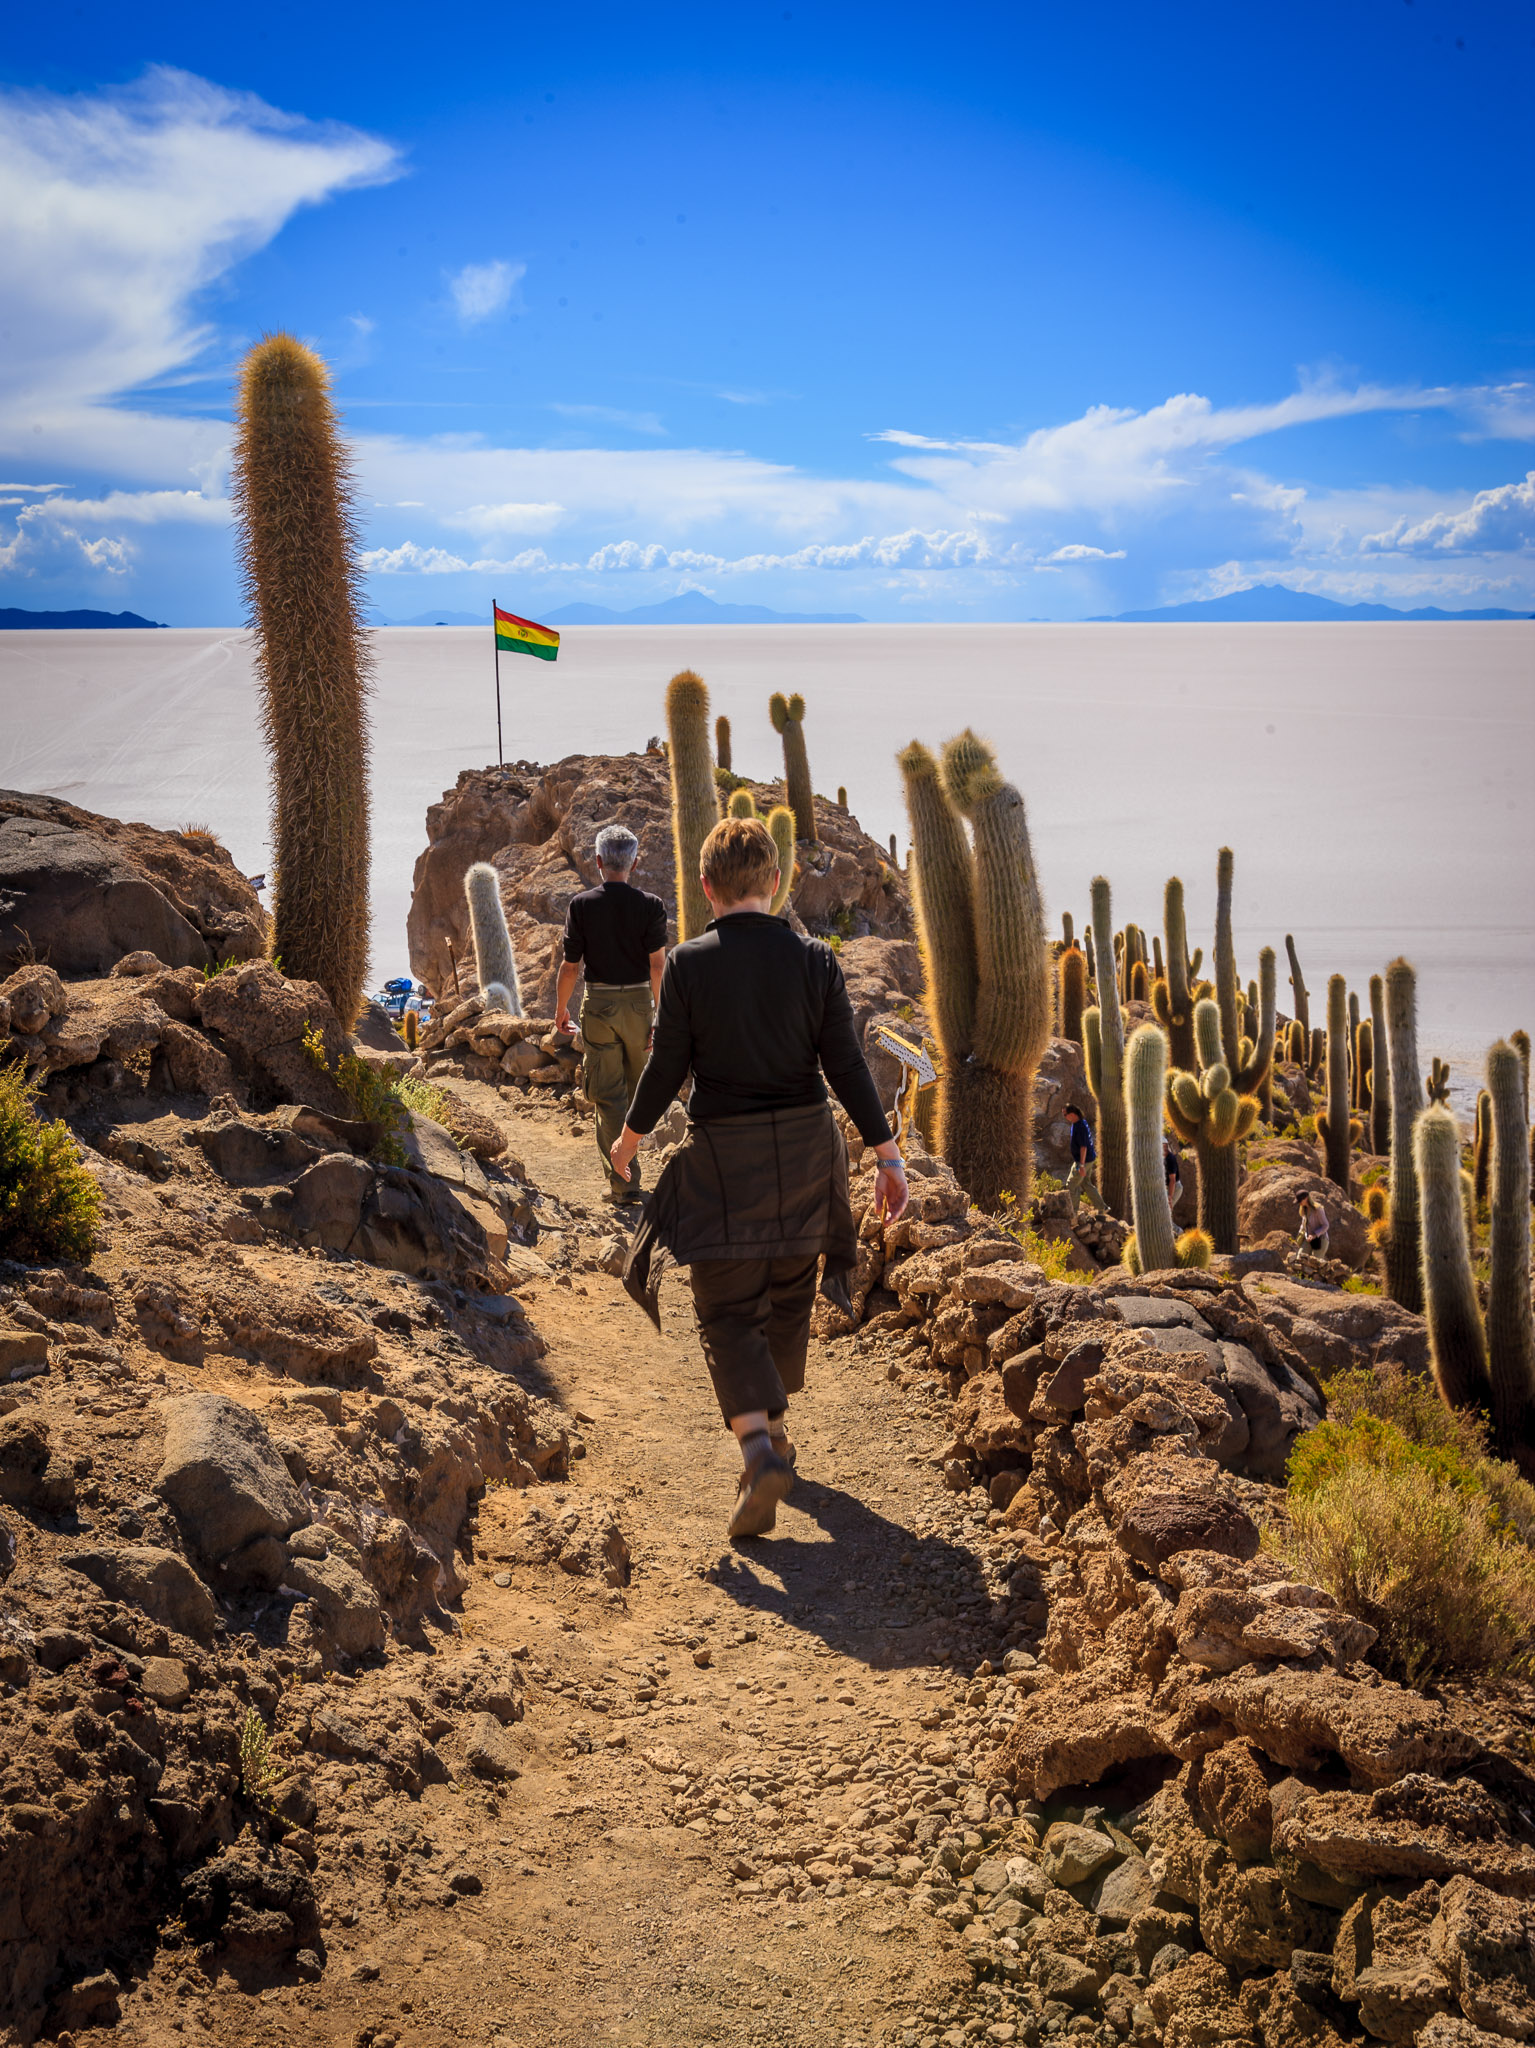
{"points": [[410, 560], [481, 290], [611, 416], [534, 517], [116, 209], [1498, 521], [1079, 551], [141, 508], [44, 547]]}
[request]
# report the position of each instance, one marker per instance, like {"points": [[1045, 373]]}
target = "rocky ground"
{"points": [[373, 1671]]}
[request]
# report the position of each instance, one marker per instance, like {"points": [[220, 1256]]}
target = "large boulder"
{"points": [[157, 1582], [283, 1034], [1270, 1200], [231, 1491], [1332, 1330], [82, 891]]}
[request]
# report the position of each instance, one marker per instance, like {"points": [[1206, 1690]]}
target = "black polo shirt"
{"points": [[613, 930]]}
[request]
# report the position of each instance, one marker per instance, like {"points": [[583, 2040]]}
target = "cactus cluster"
{"points": [[695, 796], [1437, 1084], [788, 716], [983, 942], [294, 504], [1171, 1000]]}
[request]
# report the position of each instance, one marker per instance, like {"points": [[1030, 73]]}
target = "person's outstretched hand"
{"points": [[891, 1193]]}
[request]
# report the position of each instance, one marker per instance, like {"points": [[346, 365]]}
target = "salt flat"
{"points": [[1372, 778]]}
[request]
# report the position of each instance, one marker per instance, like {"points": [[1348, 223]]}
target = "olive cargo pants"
{"points": [[615, 1024]]}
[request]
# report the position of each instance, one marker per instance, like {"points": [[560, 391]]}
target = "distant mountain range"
{"points": [[32, 622], [1277, 604], [691, 609]]}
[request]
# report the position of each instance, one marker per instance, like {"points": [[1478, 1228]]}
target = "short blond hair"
{"points": [[739, 859]]}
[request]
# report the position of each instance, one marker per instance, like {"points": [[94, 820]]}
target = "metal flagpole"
{"points": [[496, 644]]}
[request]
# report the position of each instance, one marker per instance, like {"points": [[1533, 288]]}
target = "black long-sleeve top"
{"points": [[760, 1015]]}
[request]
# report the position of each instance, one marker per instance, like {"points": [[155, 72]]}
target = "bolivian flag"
{"points": [[521, 636]]}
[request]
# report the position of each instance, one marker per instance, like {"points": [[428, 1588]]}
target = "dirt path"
{"points": [[728, 1765]]}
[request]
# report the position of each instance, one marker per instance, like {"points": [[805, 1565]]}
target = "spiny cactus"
{"points": [[1067, 929], [788, 716], [1481, 1145], [1380, 1069], [411, 1029], [1334, 1124], [722, 744], [780, 822], [1170, 998], [1071, 970], [1297, 1044], [1364, 1065], [1103, 1044], [1375, 1204], [695, 797], [1140, 987], [1403, 1269], [1298, 986], [1437, 1085], [841, 796], [1510, 1330], [1457, 1342], [1145, 1081], [1216, 1107], [742, 804], [294, 502], [495, 965], [983, 938]]}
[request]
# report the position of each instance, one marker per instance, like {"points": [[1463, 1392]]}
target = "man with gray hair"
{"points": [[616, 934]]}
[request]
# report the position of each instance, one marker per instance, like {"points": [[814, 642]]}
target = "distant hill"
{"points": [[694, 609], [1277, 604], [32, 622]]}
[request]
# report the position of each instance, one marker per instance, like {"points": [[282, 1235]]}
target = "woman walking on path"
{"points": [[755, 1196]]}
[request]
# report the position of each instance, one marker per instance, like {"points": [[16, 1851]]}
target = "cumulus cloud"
{"points": [[481, 290], [42, 547], [1079, 551], [410, 560], [1499, 521]]}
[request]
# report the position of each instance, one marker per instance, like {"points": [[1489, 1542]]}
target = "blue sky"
{"points": [[997, 313]]}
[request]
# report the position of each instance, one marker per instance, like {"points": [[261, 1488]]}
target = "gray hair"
{"points": [[617, 847]]}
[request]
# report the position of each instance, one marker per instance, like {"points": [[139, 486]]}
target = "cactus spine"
{"points": [[495, 965], [1510, 1330], [1403, 1270], [1072, 971], [1103, 1042], [1298, 986], [1380, 1069], [722, 743], [695, 797], [788, 716], [294, 509], [1170, 998], [1457, 1342], [1333, 1125], [1145, 1081], [983, 939]]}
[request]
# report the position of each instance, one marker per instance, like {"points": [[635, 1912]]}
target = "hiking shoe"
{"points": [[785, 1449], [764, 1483]]}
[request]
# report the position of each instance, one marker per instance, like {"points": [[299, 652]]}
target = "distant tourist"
{"points": [[1314, 1228], [1079, 1181], [756, 1193], [1172, 1166], [617, 933]]}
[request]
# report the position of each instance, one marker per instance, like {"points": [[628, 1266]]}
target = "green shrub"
{"points": [[50, 1206], [371, 1092], [1428, 1542], [1050, 1252]]}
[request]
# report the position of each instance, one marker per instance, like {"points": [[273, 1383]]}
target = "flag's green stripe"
{"points": [[544, 653]]}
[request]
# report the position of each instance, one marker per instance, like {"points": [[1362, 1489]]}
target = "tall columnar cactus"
{"points": [[1103, 1044], [1071, 969], [1298, 986], [695, 796], [1457, 1341], [1352, 1054], [788, 716], [1510, 1328], [1145, 1081], [1364, 1066], [1403, 1269], [1170, 999], [294, 502], [780, 822], [722, 743], [1481, 1146], [1334, 1123], [1233, 1066], [1068, 936], [983, 940], [495, 964], [1380, 1069], [841, 796], [1437, 1085]]}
